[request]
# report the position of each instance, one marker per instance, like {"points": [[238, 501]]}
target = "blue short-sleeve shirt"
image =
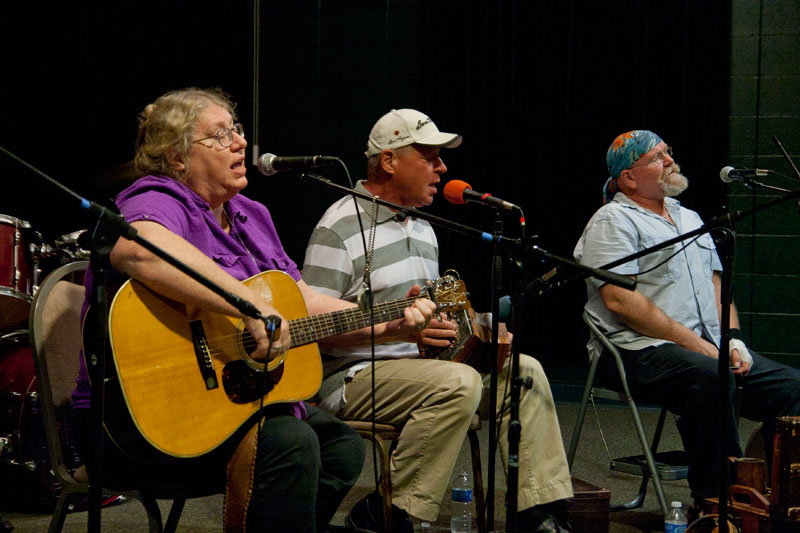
{"points": [[677, 279]]}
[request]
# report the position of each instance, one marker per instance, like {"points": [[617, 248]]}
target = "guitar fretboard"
{"points": [[312, 328]]}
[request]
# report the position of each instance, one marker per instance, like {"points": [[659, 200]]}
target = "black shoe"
{"points": [[368, 515], [341, 529]]}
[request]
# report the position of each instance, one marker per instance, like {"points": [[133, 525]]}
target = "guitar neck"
{"points": [[312, 328]]}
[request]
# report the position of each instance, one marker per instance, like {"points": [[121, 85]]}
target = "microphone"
{"points": [[269, 164], [460, 192], [730, 174]]}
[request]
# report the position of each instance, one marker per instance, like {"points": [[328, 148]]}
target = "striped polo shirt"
{"points": [[405, 253]]}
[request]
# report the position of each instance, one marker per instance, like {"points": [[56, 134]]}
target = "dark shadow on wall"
{"points": [[537, 89]]}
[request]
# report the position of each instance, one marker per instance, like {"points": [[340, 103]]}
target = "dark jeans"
{"points": [[304, 469], [685, 383]]}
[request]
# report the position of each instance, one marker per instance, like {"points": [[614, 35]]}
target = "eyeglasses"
{"points": [[224, 136], [658, 158]]}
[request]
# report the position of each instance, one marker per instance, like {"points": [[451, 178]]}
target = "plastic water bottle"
{"points": [[676, 520], [461, 494]]}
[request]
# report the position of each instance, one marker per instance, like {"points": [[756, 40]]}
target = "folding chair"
{"points": [[659, 466], [55, 337]]}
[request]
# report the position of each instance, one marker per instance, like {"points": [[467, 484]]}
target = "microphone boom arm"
{"points": [[411, 211], [503, 242]]}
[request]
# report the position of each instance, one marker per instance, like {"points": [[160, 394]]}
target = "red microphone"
{"points": [[454, 191], [460, 192]]}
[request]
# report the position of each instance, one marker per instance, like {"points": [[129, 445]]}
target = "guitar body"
{"points": [[176, 401]]}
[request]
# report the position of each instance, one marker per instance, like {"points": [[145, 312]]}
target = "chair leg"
{"points": [[638, 500], [386, 481], [477, 474], [174, 515], [153, 513], [576, 432], [648, 454], [60, 512]]}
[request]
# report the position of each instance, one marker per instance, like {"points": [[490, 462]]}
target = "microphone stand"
{"points": [[497, 287], [723, 224], [499, 243], [110, 227], [786, 155], [758, 185]]}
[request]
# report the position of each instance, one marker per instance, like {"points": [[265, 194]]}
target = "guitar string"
{"points": [[318, 324], [240, 337], [324, 323]]}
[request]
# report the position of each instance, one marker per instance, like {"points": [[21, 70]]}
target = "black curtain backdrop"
{"points": [[538, 89]]}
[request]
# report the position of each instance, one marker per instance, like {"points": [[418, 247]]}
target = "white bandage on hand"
{"points": [[744, 354]]}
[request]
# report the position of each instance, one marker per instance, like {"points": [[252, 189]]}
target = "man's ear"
{"points": [[387, 161], [627, 180], [176, 160]]}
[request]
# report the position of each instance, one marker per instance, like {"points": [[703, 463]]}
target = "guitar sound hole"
{"points": [[243, 384]]}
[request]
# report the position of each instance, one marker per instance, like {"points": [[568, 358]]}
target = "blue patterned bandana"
{"points": [[624, 152]]}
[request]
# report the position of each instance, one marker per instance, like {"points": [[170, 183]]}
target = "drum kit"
{"points": [[25, 260]]}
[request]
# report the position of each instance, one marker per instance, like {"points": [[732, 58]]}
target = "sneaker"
{"points": [[542, 520], [368, 515]]}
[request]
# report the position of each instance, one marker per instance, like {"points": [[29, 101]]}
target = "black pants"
{"points": [[304, 469], [685, 382]]}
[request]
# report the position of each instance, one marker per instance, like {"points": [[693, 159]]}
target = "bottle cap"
{"points": [[676, 504]]}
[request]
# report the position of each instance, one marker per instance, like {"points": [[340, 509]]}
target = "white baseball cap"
{"points": [[402, 127]]}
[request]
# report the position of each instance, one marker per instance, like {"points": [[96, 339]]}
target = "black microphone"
{"points": [[460, 192], [269, 164], [730, 174]]}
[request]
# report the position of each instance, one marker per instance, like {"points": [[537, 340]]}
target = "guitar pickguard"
{"points": [[242, 384]]}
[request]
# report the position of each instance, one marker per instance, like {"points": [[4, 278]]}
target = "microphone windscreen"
{"points": [[724, 174], [265, 165], [454, 191]]}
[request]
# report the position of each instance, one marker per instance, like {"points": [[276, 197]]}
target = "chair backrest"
{"points": [[55, 338], [622, 383]]}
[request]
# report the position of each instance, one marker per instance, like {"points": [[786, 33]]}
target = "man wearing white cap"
{"points": [[433, 400]]}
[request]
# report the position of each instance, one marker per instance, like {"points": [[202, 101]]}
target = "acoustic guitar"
{"points": [[184, 380]]}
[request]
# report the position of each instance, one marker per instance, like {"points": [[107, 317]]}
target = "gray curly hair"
{"points": [[166, 128]]}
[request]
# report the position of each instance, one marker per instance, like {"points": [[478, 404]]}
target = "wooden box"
{"points": [[786, 470], [588, 509]]}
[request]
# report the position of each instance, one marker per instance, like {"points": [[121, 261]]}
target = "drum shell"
{"points": [[16, 270]]}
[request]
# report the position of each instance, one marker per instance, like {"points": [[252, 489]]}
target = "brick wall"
{"points": [[765, 101]]}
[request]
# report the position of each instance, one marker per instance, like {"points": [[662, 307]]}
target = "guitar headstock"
{"points": [[450, 293]]}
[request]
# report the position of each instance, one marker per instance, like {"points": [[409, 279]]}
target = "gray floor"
{"points": [[591, 464]]}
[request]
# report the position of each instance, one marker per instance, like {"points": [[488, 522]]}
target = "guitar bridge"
{"points": [[204, 361]]}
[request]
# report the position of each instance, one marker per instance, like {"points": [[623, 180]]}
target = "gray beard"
{"points": [[677, 184]]}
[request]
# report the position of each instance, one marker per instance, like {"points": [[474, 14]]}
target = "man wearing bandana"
{"points": [[668, 329]]}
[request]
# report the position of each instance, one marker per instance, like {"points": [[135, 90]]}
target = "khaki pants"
{"points": [[435, 400]]}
